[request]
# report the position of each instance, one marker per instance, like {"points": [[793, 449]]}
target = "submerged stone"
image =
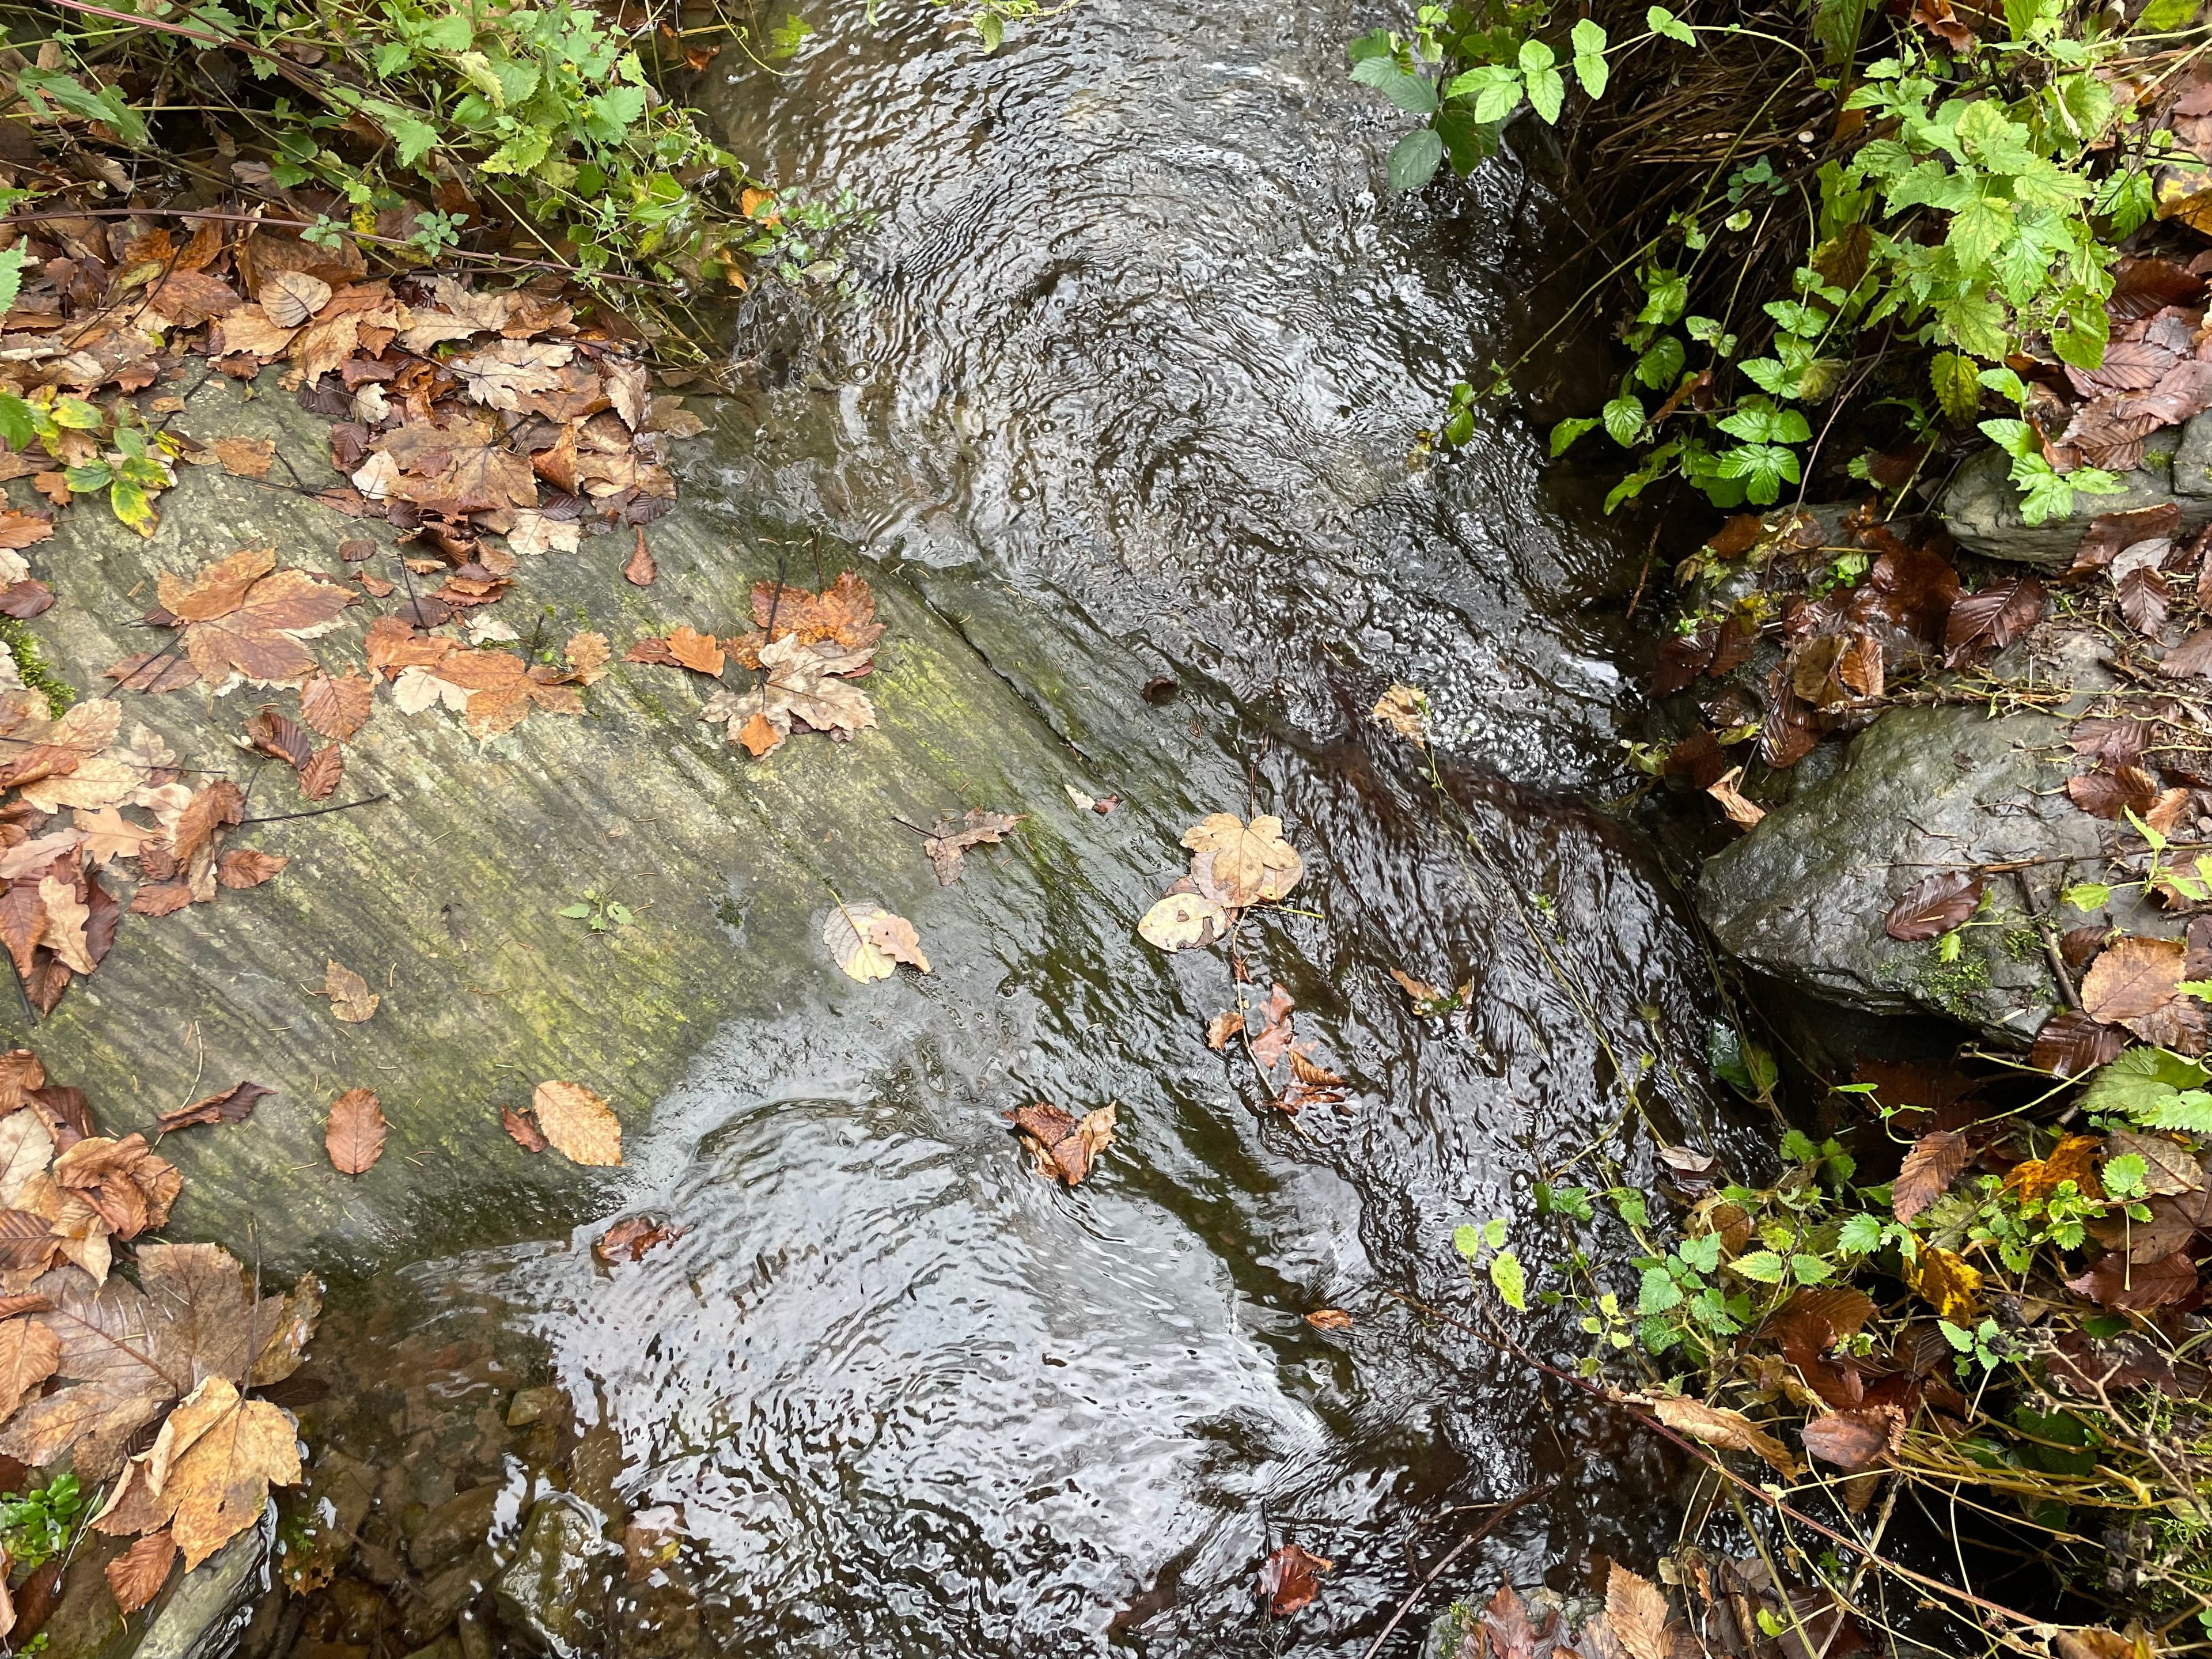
{"points": [[554, 1593]]}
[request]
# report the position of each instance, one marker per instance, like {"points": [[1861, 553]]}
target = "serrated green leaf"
{"points": [[1764, 1266], [1508, 1279], [1624, 419], [1413, 159], [1657, 1292], [1547, 94], [1957, 386]]}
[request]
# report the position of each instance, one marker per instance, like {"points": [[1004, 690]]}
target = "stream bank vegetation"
{"points": [[1845, 250]]}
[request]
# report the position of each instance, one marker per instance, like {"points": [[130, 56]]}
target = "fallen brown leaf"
{"points": [[868, 942], [1062, 1146], [2131, 979], [233, 1105], [351, 1001], [577, 1123], [632, 1236], [1933, 906], [138, 1574], [1930, 1165], [1856, 1440], [949, 839], [521, 1130], [354, 1135], [1246, 863], [1329, 1319], [1291, 1579]]}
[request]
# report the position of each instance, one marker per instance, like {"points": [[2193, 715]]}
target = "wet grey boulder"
{"points": [[1981, 507], [1802, 896], [205, 1611], [554, 1593], [454, 1527]]}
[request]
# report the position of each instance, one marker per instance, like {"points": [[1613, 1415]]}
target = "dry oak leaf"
{"points": [[244, 619], [1856, 1440], [1250, 862], [1291, 1579], [949, 839], [351, 1001], [1636, 1609], [1405, 710], [868, 942], [2132, 978], [577, 1123], [587, 655], [1946, 1281], [695, 651], [1933, 1162], [354, 1135], [1722, 1430], [220, 1482], [1181, 921], [1062, 1146], [138, 1574], [1934, 905]]}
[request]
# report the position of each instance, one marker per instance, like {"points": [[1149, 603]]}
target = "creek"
{"points": [[1140, 348]]}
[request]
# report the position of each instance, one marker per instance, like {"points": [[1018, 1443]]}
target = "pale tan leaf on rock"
{"points": [[577, 1123], [1637, 1610], [222, 1483], [245, 458], [29, 1353], [351, 1001]]}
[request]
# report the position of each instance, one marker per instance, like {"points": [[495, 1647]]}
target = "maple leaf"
{"points": [[351, 1001], [1248, 863], [220, 1482], [587, 655], [633, 1236], [844, 612], [504, 374], [805, 685], [1291, 1579], [1062, 1146], [869, 942], [949, 839], [244, 619], [354, 1135], [502, 689], [109, 836], [577, 1123]]}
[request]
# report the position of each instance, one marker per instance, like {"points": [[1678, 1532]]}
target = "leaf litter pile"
{"points": [[138, 1363]]}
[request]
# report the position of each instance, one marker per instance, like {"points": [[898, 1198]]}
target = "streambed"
{"points": [[1126, 397]]}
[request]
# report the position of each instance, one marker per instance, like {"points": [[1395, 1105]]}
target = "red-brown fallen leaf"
{"points": [[695, 651], [524, 1133], [22, 530], [1505, 1623], [336, 708], [1636, 1609], [2109, 793], [1682, 659], [1060, 1146], [632, 1236], [2115, 1282], [2192, 656], [275, 734], [163, 898], [355, 1137], [1329, 1319], [26, 599], [2071, 1043], [138, 1574], [244, 617], [213, 810], [1991, 619], [1223, 1028], [641, 569], [1291, 1579], [233, 1105], [1856, 1440], [2143, 597], [155, 672], [2132, 978], [1937, 17], [248, 866], [1933, 906], [653, 651], [1929, 1170], [320, 775]]}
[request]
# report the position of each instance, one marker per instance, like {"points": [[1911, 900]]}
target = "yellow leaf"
{"points": [[577, 1123], [1946, 1282]]}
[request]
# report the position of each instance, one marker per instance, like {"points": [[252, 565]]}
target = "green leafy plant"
{"points": [[601, 914], [39, 1525]]}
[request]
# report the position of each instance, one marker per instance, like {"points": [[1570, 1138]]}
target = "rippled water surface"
{"points": [[1129, 391]]}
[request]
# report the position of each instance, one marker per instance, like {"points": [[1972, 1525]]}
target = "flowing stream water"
{"points": [[1140, 350]]}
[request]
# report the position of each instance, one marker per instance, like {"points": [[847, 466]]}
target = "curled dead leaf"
{"points": [[868, 941], [351, 1001], [1062, 1146]]}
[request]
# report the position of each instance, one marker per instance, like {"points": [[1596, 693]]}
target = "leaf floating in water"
{"points": [[1291, 1579], [1182, 921], [1404, 709], [1062, 1146], [1329, 1319], [631, 1237], [1251, 863], [869, 942]]}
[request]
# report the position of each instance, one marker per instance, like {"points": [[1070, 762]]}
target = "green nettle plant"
{"points": [[1971, 202]]}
